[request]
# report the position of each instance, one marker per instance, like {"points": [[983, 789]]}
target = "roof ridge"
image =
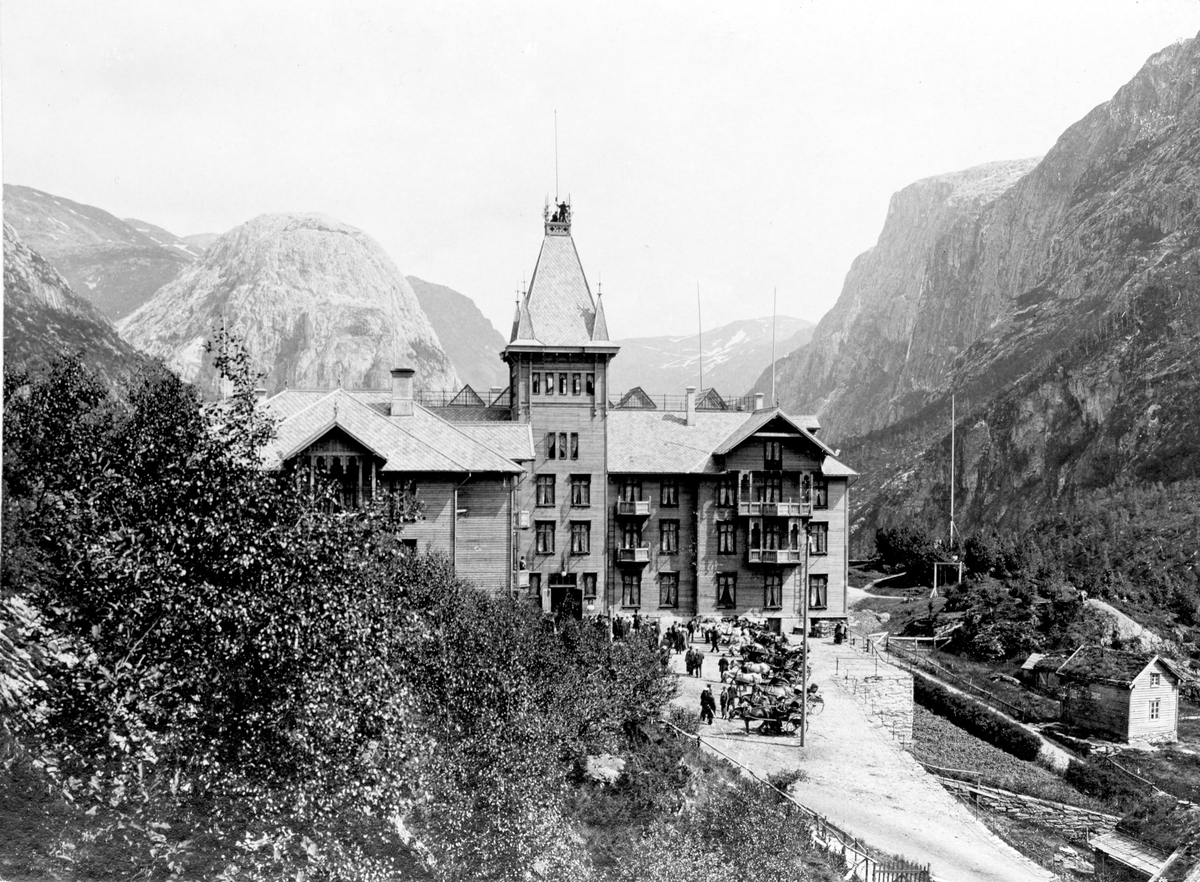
{"points": [[474, 441]]}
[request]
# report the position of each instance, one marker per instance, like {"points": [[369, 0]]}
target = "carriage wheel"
{"points": [[816, 705]]}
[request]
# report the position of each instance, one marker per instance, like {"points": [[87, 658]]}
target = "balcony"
{"points": [[775, 509], [639, 508], [639, 555], [523, 578], [776, 556]]}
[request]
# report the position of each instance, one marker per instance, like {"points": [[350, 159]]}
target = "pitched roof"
{"points": [[650, 441], [1116, 666], [511, 440], [419, 443], [638, 399], [759, 420], [600, 326], [559, 303]]}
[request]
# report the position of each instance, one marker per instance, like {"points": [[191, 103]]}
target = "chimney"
{"points": [[690, 397], [260, 395], [494, 395], [758, 401], [402, 392]]}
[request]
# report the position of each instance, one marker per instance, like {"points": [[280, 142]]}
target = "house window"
{"points": [[773, 454], [818, 538], [631, 589], [773, 591], [545, 537], [562, 445], [537, 383], [589, 586], [590, 384], [562, 384], [668, 537], [574, 445], [727, 492], [773, 488], [631, 535], [726, 538], [551, 445], [581, 490], [581, 537], [668, 589], [1155, 680], [545, 490], [576, 384], [549, 384], [668, 494], [775, 536], [726, 590], [1155, 705], [631, 491], [818, 592], [820, 492], [535, 584]]}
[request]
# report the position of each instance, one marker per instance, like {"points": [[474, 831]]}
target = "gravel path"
{"points": [[862, 782]]}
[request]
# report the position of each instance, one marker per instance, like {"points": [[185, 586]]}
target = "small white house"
{"points": [[1125, 696]]}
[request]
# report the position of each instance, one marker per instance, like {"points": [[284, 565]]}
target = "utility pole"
{"points": [[804, 630]]}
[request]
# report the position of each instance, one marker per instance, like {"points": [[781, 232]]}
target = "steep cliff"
{"points": [[1061, 310], [472, 343], [318, 304], [43, 318], [102, 257]]}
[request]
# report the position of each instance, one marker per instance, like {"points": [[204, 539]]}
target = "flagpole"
{"points": [[774, 318]]}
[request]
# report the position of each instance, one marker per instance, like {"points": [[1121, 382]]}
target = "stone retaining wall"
{"points": [[885, 692], [1076, 824]]}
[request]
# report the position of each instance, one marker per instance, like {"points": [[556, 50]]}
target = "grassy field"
{"points": [[938, 741]]}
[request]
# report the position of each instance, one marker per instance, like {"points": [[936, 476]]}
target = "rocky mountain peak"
{"points": [[318, 302]]}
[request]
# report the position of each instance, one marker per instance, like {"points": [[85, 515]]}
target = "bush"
{"points": [[1092, 777], [977, 719]]}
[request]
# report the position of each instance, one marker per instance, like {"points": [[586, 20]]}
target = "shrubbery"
{"points": [[977, 719], [1093, 777]]}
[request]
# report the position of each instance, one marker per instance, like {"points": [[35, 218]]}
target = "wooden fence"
{"points": [[860, 864]]}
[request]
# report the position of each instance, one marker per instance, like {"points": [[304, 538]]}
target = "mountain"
{"points": [[201, 241], [102, 257], [161, 237], [318, 304], [43, 317], [470, 340], [1059, 303], [734, 356]]}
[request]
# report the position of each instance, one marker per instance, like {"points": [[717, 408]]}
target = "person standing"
{"points": [[691, 629], [697, 662], [707, 705], [716, 639]]}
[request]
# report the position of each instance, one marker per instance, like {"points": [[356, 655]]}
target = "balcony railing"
{"points": [[638, 555], [639, 508], [775, 509], [776, 555]]}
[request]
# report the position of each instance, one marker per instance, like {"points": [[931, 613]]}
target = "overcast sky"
{"points": [[738, 146]]}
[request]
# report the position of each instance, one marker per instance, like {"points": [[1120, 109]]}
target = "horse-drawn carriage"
{"points": [[767, 683]]}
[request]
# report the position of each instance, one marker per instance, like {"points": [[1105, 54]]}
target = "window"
{"points": [[773, 591], [535, 584], [1155, 704], [775, 536], [631, 535], [631, 589], [773, 488], [537, 383], [631, 491], [545, 537], [581, 537], [820, 492], [818, 538], [562, 384], [1155, 680], [562, 445], [545, 490], [574, 445], [668, 537], [551, 445], [727, 492], [549, 384], [576, 384], [668, 494], [590, 384], [726, 537], [726, 590], [818, 592], [589, 586], [581, 490], [668, 589], [772, 454]]}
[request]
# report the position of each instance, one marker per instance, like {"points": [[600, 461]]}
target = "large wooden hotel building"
{"points": [[581, 498]]}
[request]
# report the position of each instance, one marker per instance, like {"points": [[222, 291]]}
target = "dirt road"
{"points": [[862, 782]]}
